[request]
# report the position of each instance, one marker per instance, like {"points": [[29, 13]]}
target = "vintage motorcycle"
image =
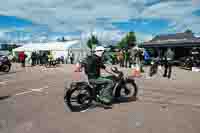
{"points": [[5, 64], [80, 95]]}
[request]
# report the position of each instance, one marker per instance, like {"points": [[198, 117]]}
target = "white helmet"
{"points": [[99, 50]]}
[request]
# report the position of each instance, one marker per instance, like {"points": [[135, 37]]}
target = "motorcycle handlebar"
{"points": [[115, 70]]}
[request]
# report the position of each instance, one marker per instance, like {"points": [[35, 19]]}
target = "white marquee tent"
{"points": [[51, 46], [58, 48]]}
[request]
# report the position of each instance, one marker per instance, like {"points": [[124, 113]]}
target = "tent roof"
{"points": [[47, 46]]}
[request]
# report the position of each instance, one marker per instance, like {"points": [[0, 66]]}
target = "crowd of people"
{"points": [[128, 57], [140, 57], [123, 57], [37, 58]]}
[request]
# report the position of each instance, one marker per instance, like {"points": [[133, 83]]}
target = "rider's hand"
{"points": [[112, 73]]}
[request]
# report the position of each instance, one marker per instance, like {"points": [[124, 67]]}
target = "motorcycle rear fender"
{"points": [[80, 84]]}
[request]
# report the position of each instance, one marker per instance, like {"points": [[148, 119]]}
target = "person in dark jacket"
{"points": [[33, 58], [168, 61], [92, 70]]}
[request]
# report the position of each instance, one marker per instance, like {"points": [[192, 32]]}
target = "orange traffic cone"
{"points": [[78, 67], [136, 72]]}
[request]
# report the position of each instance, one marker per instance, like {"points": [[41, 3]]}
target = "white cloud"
{"points": [[179, 13], [142, 37], [196, 3], [169, 10], [2, 34], [67, 15], [103, 34]]}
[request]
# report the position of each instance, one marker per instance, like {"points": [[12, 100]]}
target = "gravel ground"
{"points": [[31, 101]]}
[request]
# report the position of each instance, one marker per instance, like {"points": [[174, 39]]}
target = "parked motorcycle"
{"points": [[189, 62], [154, 66], [52, 63], [85, 92], [5, 64]]}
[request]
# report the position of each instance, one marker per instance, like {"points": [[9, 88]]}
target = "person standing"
{"points": [[37, 58], [44, 59], [125, 58], [22, 58], [33, 58], [168, 61], [121, 58], [146, 57], [50, 58], [71, 56]]}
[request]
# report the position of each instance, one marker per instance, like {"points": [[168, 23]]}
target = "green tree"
{"points": [[188, 31], [92, 42], [128, 41]]}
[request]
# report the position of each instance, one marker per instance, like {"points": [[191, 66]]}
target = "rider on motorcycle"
{"points": [[92, 66]]}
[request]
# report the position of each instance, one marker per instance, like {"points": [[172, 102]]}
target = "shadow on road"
{"points": [[96, 104], [125, 100], [4, 97], [5, 73]]}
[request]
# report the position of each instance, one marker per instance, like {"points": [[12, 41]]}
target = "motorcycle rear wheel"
{"points": [[80, 102], [6, 68]]}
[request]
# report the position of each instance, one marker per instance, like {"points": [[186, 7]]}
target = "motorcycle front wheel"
{"points": [[128, 91], [78, 98]]}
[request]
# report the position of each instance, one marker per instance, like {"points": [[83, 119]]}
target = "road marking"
{"points": [[40, 89], [3, 82], [32, 90], [23, 93]]}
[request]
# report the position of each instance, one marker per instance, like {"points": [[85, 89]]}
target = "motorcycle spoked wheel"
{"points": [[6, 68], [81, 101], [47, 65], [127, 92]]}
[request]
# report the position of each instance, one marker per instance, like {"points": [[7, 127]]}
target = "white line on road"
{"points": [[3, 83], [39, 89], [32, 90], [23, 93], [6, 81]]}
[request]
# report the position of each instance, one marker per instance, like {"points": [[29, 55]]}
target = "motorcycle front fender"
{"points": [[121, 84], [128, 80]]}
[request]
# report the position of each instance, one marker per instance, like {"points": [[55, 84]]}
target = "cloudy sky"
{"points": [[109, 19]]}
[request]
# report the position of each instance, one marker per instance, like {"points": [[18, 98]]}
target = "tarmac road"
{"points": [[31, 101]]}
